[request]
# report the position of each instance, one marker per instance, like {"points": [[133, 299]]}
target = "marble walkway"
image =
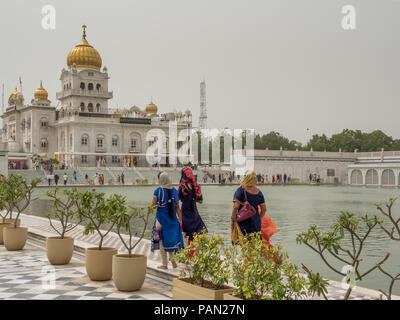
{"points": [[27, 274]]}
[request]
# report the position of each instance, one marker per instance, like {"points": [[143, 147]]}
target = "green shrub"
{"points": [[16, 194], [206, 268], [65, 210], [124, 220], [262, 273], [99, 212], [344, 243]]}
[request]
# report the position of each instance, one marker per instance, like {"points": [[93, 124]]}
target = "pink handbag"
{"points": [[246, 211]]}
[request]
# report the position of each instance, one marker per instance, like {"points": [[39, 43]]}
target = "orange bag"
{"points": [[268, 229]]}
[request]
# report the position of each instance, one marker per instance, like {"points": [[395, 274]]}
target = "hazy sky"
{"points": [[269, 65]]}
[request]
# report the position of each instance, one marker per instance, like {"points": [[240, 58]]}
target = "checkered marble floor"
{"points": [[335, 293], [27, 275]]}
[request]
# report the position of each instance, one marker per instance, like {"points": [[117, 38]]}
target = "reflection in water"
{"points": [[293, 209]]}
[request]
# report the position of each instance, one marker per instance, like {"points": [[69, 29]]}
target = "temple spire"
{"points": [[84, 32]]}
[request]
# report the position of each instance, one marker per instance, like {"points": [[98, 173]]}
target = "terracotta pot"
{"points": [[59, 251], [129, 273], [13, 220], [184, 290], [99, 263], [15, 238], [2, 226]]}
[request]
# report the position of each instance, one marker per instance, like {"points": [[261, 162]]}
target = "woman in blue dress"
{"points": [[190, 194], [167, 232], [255, 197]]}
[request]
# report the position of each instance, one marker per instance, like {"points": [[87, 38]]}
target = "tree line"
{"points": [[347, 141]]}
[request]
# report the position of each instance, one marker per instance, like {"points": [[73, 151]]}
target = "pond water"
{"points": [[293, 209]]}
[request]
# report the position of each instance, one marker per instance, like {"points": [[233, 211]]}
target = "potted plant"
{"points": [[17, 195], [206, 274], [3, 206], [60, 249], [262, 273], [98, 212], [3, 215], [129, 270]]}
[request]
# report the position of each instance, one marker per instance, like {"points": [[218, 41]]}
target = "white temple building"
{"points": [[83, 130]]}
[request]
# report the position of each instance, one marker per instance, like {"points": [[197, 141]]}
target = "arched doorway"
{"points": [[388, 178], [371, 178], [356, 177]]}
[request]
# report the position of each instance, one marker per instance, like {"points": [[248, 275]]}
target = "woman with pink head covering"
{"points": [[190, 194]]}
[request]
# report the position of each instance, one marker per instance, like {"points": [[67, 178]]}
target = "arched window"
{"points": [[43, 143], [98, 86], [90, 107], [82, 107], [44, 123], [98, 107], [100, 142], [85, 140], [114, 141], [82, 86], [90, 86], [134, 142]]}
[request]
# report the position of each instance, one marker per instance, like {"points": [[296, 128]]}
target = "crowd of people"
{"points": [[53, 176], [314, 178], [230, 177], [13, 165], [274, 179], [176, 225]]}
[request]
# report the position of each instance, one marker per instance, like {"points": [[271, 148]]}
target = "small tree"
{"points": [[99, 212], [17, 194], [124, 220], [263, 273], [355, 230], [204, 261], [65, 209], [393, 234], [3, 209]]}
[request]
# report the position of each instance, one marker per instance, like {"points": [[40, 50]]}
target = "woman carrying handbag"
{"points": [[246, 201]]}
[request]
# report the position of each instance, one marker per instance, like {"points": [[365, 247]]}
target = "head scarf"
{"points": [[165, 180], [188, 177], [249, 180]]}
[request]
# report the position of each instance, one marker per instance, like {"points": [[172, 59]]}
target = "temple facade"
{"points": [[83, 130]]}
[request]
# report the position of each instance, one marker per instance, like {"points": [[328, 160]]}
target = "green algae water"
{"points": [[293, 209]]}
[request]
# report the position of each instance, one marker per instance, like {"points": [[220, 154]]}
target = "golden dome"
{"points": [[116, 115], [41, 93], [84, 55], [151, 108], [15, 93]]}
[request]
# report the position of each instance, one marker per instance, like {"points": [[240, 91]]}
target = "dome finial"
{"points": [[84, 32]]}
